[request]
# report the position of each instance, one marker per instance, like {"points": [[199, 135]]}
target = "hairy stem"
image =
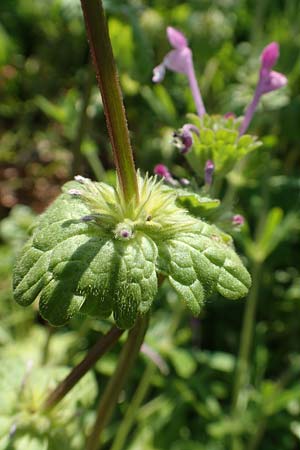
{"points": [[109, 85], [104, 344], [116, 383]]}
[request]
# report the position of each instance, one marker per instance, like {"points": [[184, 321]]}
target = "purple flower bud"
{"points": [[162, 171], [208, 172], [74, 192], [269, 56], [238, 220], [183, 139], [269, 80], [176, 38]]}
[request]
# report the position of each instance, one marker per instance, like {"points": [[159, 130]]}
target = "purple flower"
{"points": [[269, 81], [180, 59], [208, 172], [238, 220], [162, 171], [272, 82], [269, 56], [183, 138]]}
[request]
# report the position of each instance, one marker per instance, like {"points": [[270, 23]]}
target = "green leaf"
{"points": [[23, 388], [78, 259], [184, 363], [76, 267], [199, 264], [195, 203]]}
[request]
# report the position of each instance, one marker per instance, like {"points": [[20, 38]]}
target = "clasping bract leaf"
{"points": [[91, 252]]}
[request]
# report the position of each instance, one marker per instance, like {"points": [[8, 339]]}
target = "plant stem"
{"points": [[45, 353], [102, 346], [256, 438], [242, 370], [132, 411], [250, 112], [112, 391], [108, 82]]}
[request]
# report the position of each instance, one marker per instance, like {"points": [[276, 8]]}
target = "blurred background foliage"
{"points": [[52, 127]]}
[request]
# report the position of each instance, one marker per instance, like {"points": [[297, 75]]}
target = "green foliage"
{"points": [[219, 141], [90, 252], [22, 391], [43, 54]]}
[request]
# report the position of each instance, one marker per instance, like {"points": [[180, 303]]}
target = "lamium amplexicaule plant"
{"points": [[103, 250]]}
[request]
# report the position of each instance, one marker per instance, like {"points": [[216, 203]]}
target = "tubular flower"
{"points": [[269, 80], [180, 60]]}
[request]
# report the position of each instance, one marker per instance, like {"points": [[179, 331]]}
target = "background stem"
{"points": [[102, 346], [242, 370], [132, 411], [115, 385], [109, 85]]}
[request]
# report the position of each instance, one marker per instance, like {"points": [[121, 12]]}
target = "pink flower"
{"points": [[180, 60], [238, 220], [272, 82], [162, 171], [269, 81], [269, 56]]}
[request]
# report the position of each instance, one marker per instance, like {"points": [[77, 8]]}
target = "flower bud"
{"points": [[208, 172], [269, 56], [238, 220], [176, 38], [162, 171]]}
